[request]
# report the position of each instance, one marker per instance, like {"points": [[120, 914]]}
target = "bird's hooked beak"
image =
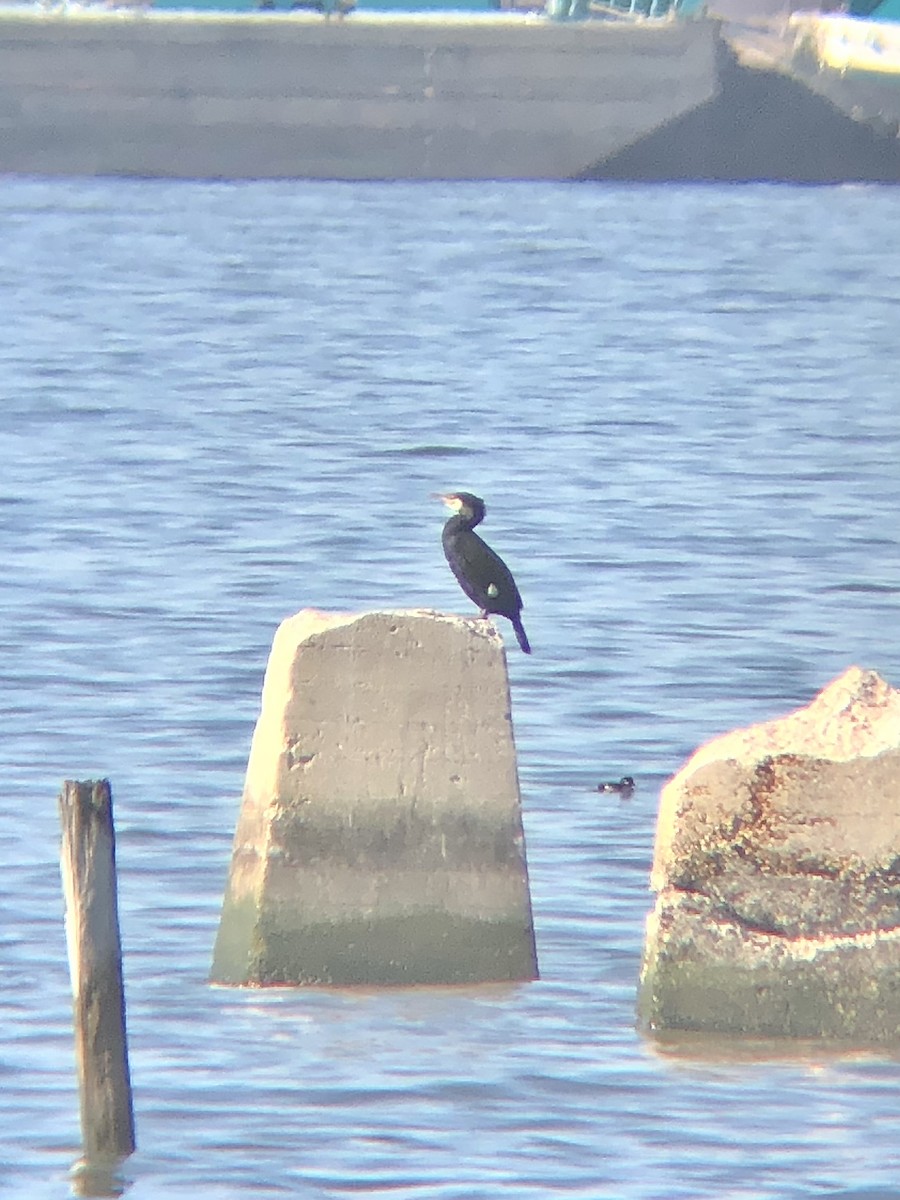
{"points": [[450, 499]]}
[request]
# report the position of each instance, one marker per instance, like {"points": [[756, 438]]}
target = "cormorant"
{"points": [[482, 574], [625, 787]]}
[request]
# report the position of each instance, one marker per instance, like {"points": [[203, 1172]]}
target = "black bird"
{"points": [[625, 787], [482, 574]]}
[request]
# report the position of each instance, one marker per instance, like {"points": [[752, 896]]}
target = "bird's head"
{"points": [[469, 507]]}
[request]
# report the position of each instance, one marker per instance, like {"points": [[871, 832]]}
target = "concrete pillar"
{"points": [[380, 838], [777, 872], [778, 907]]}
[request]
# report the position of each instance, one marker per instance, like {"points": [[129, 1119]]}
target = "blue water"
{"points": [[222, 403]]}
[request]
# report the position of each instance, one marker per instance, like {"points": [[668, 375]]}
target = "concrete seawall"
{"points": [[242, 96], [271, 96]]}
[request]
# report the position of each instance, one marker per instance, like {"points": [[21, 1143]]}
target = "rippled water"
{"points": [[222, 403]]}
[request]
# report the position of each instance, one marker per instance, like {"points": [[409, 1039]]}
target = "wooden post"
{"points": [[88, 865]]}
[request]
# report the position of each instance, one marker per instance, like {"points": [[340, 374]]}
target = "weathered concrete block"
{"points": [[777, 868], [380, 838]]}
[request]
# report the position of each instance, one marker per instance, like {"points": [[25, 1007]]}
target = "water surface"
{"points": [[222, 403]]}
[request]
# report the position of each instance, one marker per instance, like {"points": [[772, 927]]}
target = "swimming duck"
{"points": [[625, 787]]}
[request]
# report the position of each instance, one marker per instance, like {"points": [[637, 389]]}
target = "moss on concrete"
{"points": [[418, 948], [843, 989]]}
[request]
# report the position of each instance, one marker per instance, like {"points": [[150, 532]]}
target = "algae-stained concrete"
{"points": [[293, 96], [380, 838], [777, 872]]}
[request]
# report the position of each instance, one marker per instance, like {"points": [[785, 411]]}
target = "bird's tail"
{"points": [[521, 636]]}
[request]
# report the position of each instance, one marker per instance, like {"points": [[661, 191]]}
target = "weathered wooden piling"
{"points": [[88, 865], [777, 871], [380, 838]]}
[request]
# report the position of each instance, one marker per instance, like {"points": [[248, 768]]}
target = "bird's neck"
{"points": [[459, 524]]}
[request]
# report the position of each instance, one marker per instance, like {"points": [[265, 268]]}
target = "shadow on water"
{"points": [[688, 1048]]}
